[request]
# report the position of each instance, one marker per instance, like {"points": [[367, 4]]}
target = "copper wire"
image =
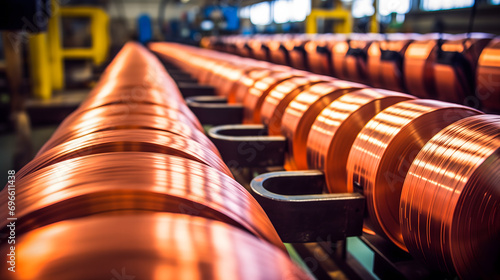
{"points": [[147, 246], [418, 66], [384, 150], [336, 127], [145, 140], [136, 181], [450, 210], [386, 71], [256, 95], [300, 114], [454, 82], [280, 97], [86, 127], [488, 77]]}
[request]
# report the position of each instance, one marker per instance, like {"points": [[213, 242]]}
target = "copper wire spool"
{"points": [[135, 181], [246, 82], [339, 51], [385, 62], [298, 55], [260, 51], [256, 95], [133, 97], [300, 114], [488, 77], [96, 124], [336, 127], [230, 79], [355, 59], [456, 66], [384, 150], [132, 140], [277, 52], [418, 66], [128, 110], [280, 97], [147, 246], [450, 202], [319, 53]]}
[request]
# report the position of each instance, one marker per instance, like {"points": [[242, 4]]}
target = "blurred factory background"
{"points": [[63, 60]]}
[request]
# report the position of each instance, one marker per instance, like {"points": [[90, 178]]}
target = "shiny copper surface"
{"points": [[147, 246], [256, 95], [455, 82], [450, 210], [126, 111], [336, 127], [385, 62], [241, 88], [300, 114], [384, 150], [320, 61], [127, 140], [280, 97], [135, 122], [488, 77], [136, 181], [418, 66], [298, 55]]}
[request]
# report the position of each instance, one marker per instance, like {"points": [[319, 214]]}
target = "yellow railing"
{"points": [[48, 55]]}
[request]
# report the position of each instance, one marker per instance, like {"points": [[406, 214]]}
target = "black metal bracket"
{"points": [[248, 145], [214, 110], [195, 89], [301, 212]]}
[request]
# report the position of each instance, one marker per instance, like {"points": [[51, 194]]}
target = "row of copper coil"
{"points": [[129, 186], [426, 167], [462, 68]]}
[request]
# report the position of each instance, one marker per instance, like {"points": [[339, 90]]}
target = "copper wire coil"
{"points": [[488, 77], [132, 98], [317, 62], [455, 82], [355, 60], [385, 62], [245, 83], [128, 110], [255, 96], [129, 83], [298, 55], [450, 210], [96, 124], [229, 79], [280, 97], [147, 246], [384, 150], [300, 114], [133, 95], [259, 48], [418, 66], [127, 140], [336, 127], [277, 53], [138, 181]]}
